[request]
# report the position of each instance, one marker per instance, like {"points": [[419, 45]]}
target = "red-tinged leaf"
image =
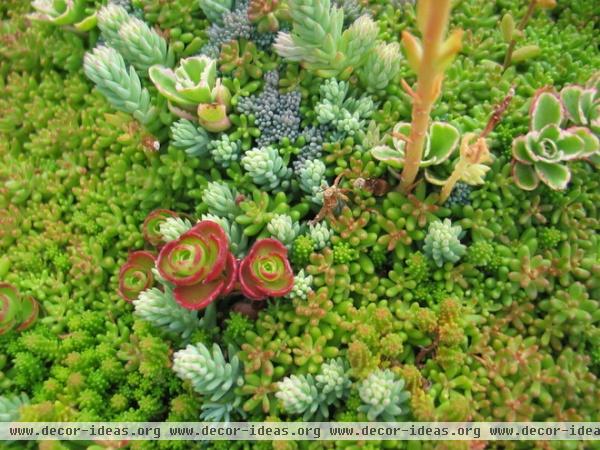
{"points": [[151, 226], [30, 310], [10, 305], [212, 230], [230, 274], [198, 296], [249, 289]]}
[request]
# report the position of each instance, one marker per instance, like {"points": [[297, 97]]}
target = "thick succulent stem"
{"points": [[520, 28], [429, 82]]}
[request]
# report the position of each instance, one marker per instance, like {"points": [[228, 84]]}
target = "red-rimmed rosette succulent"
{"points": [[135, 275], [151, 225], [199, 265], [15, 311], [266, 271]]}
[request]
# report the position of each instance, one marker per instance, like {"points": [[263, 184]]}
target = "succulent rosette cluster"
{"points": [[200, 267], [17, 312]]}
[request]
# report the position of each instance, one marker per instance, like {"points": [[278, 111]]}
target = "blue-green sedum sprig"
{"points": [[321, 234], [209, 373], [224, 151], [347, 115], [442, 242], [299, 395], [312, 179], [383, 396], [161, 310], [173, 227], [267, 168], [221, 200], [302, 286], [283, 228], [139, 44], [121, 87], [333, 381], [238, 241], [190, 138], [381, 67], [10, 406]]}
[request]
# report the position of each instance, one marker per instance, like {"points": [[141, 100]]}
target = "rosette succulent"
{"points": [[194, 91], [441, 141], [543, 153], [266, 271], [16, 311], [199, 265], [136, 275]]}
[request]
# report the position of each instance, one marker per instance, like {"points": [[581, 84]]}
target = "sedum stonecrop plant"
{"points": [[304, 276], [319, 42]]}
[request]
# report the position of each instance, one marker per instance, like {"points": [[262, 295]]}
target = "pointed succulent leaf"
{"points": [[571, 98]]}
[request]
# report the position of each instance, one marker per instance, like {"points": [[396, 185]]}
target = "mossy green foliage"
{"points": [[506, 331]]}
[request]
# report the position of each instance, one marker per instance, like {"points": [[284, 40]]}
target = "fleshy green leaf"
{"points": [[388, 155], [556, 176], [546, 109], [164, 80], [443, 140], [525, 176]]}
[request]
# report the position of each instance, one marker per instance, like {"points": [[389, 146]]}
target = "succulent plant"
{"points": [[152, 223], [122, 88], [442, 242], [10, 406], [189, 137], [135, 275], [266, 167], [199, 264], [194, 91], [17, 312], [58, 12], [543, 153], [383, 396], [265, 271], [283, 228], [208, 372], [299, 395], [440, 142], [267, 14], [215, 9], [160, 309]]}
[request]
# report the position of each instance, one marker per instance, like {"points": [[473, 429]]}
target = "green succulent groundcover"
{"points": [[207, 212]]}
